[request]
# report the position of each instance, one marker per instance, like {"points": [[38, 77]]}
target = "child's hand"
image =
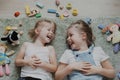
{"points": [[92, 70], [33, 61], [80, 66]]}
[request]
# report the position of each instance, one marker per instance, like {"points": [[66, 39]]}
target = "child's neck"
{"points": [[83, 47], [39, 43]]}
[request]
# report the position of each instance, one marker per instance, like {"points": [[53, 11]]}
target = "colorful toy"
{"points": [[104, 29], [40, 5], [114, 37], [88, 20], [69, 6], [27, 10], [12, 35], [38, 15], [65, 14], [16, 14], [62, 17], [118, 75], [74, 12], [51, 11], [57, 2], [33, 13], [4, 60], [57, 14]]}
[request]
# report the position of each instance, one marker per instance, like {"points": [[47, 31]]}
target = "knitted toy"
{"points": [[12, 35], [114, 37], [4, 60]]}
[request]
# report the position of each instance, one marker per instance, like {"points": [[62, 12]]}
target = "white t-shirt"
{"points": [[43, 54], [98, 56]]}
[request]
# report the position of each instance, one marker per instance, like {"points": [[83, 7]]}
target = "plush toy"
{"points": [[12, 35], [4, 60], [114, 37]]}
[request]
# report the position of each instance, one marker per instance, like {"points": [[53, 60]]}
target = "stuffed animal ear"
{"points": [[4, 38]]}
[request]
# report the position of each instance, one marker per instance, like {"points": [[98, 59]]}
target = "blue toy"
{"points": [[51, 11], [39, 5]]}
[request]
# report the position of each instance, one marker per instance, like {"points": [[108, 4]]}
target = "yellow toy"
{"points": [[27, 10], [69, 6], [74, 12]]}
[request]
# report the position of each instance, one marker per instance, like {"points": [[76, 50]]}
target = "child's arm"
{"points": [[107, 70], [65, 69], [20, 61], [52, 66]]}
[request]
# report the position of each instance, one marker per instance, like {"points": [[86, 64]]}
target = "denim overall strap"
{"points": [[84, 57]]}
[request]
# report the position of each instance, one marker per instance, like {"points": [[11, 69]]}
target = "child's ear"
{"points": [[84, 35], [37, 31]]}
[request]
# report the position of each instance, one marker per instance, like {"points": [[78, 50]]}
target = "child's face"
{"points": [[74, 38], [46, 33], [2, 49]]}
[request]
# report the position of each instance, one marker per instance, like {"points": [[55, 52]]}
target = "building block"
{"points": [[33, 13], [88, 20], [38, 15], [65, 14], [27, 10], [74, 12], [69, 6], [40, 5], [57, 2], [57, 14], [62, 17], [51, 11]]}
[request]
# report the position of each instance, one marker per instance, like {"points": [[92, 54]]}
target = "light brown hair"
{"points": [[83, 26], [32, 33]]}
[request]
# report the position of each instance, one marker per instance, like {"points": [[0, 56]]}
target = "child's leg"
{"points": [[1, 71], [7, 70]]}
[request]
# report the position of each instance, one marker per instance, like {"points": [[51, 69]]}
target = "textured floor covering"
{"points": [[59, 42]]}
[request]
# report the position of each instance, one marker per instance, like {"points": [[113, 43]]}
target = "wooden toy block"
{"points": [[27, 10], [74, 12], [33, 13], [65, 14], [38, 15], [40, 5], [57, 14], [62, 17], [69, 6], [57, 2], [51, 11]]}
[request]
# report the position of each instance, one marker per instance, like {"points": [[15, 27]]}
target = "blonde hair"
{"points": [[32, 33], [1, 44]]}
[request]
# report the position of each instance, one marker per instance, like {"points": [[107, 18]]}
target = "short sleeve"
{"points": [[102, 55], [65, 58]]}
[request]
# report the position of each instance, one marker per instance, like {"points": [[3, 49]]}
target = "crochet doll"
{"points": [[114, 37], [4, 60], [12, 35]]}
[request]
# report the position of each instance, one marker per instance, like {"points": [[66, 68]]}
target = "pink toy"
{"points": [[114, 37], [4, 60], [57, 2]]}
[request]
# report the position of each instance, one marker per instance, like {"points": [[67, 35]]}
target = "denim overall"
{"points": [[86, 57]]}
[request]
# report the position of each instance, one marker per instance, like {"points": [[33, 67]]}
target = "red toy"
{"points": [[16, 14]]}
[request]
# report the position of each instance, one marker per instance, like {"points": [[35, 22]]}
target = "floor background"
{"points": [[101, 12], [86, 8]]}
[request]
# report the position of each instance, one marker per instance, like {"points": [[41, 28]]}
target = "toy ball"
{"points": [[16, 14]]}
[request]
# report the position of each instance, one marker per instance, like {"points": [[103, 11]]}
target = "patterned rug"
{"points": [[59, 42]]}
